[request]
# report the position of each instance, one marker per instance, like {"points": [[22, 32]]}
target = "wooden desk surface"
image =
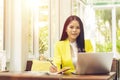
{"points": [[43, 76]]}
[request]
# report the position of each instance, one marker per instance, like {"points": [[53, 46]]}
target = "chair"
{"points": [[37, 65], [116, 68]]}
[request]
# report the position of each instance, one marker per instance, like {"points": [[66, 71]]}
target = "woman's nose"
{"points": [[74, 29]]}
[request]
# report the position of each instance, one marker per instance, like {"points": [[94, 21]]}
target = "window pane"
{"points": [[103, 30], [74, 7], [39, 22], [118, 29], [43, 27]]}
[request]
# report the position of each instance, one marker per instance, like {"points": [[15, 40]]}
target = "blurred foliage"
{"points": [[43, 39], [118, 46], [118, 29], [105, 15], [107, 47]]}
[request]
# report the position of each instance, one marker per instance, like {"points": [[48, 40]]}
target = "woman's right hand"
{"points": [[53, 69]]}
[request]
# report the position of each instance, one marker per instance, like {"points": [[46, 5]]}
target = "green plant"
{"points": [[43, 39], [118, 46], [107, 47]]}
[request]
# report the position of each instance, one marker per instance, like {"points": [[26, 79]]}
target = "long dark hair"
{"points": [[80, 38]]}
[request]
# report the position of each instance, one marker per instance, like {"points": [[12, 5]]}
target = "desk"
{"points": [[36, 76]]}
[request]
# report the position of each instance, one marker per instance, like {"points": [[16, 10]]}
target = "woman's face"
{"points": [[73, 30]]}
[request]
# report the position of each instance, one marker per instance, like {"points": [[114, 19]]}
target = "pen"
{"points": [[51, 62]]}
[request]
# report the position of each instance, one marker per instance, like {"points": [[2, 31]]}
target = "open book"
{"points": [[61, 71]]}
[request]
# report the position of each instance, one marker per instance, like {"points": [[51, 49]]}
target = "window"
{"points": [[110, 18], [102, 24], [118, 29], [44, 26], [103, 36], [39, 27]]}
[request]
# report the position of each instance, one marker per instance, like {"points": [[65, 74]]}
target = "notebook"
{"points": [[94, 63]]}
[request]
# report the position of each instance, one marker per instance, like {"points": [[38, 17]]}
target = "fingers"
{"points": [[53, 69], [63, 70]]}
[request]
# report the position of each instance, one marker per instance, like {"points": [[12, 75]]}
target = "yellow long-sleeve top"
{"points": [[62, 54]]}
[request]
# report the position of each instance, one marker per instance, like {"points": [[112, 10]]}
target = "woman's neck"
{"points": [[72, 41]]}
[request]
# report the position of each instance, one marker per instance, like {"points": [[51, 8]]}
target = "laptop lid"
{"points": [[94, 63]]}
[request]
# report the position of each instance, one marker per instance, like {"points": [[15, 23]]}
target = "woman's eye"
{"points": [[78, 27], [71, 27]]}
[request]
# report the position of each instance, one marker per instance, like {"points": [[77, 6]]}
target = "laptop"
{"points": [[94, 63]]}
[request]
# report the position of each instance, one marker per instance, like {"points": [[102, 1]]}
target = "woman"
{"points": [[71, 43]]}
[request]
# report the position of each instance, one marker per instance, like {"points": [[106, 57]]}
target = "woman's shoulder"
{"points": [[60, 42], [88, 45], [87, 41], [63, 42]]}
